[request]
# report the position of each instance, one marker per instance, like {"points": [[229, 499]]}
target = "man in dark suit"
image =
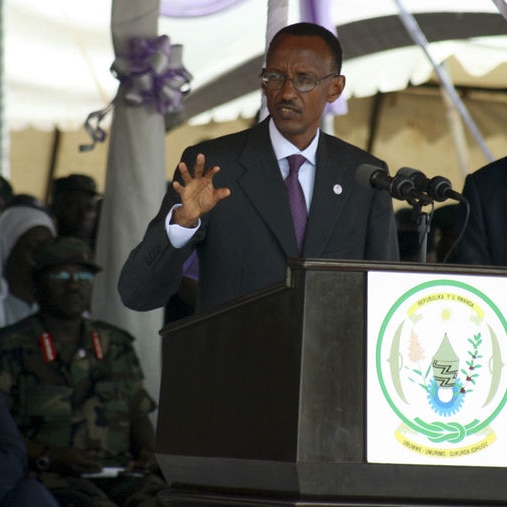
{"points": [[229, 201], [483, 241]]}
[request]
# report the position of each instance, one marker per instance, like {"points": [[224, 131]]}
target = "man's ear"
{"points": [[336, 88]]}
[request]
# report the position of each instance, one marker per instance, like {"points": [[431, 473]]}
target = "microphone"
{"points": [[400, 187], [438, 187]]}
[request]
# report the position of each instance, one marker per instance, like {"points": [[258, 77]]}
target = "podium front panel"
{"points": [[230, 382], [268, 396]]}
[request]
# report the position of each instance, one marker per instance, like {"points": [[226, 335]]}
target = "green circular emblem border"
{"points": [[473, 426]]}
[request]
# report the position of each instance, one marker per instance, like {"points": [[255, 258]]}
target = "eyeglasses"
{"points": [[65, 276], [302, 82]]}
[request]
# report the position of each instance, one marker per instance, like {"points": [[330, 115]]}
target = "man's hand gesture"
{"points": [[198, 195]]}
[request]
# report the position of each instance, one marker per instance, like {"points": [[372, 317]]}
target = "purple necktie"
{"points": [[297, 199]]}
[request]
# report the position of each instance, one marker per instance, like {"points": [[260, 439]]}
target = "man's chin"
{"points": [[286, 125], [71, 312], [289, 129]]}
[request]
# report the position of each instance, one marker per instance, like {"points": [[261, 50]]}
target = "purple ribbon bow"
{"points": [[153, 73]]}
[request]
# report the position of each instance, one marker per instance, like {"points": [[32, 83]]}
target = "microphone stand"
{"points": [[423, 226]]}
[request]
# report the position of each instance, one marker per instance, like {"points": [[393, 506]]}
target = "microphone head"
{"points": [[439, 188], [363, 174], [407, 172], [366, 174], [418, 177]]}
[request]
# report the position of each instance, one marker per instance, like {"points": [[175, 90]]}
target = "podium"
{"points": [[263, 402]]}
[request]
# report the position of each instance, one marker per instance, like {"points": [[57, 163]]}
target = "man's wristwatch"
{"points": [[43, 462]]}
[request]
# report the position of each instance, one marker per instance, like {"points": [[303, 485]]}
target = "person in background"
{"points": [[483, 240], [17, 489], [409, 239], [74, 201], [75, 389], [444, 233], [28, 200], [230, 202], [6, 193], [22, 229]]}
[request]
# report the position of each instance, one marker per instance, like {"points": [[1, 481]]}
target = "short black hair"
{"points": [[305, 29]]}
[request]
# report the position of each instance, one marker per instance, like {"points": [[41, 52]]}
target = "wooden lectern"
{"points": [[263, 403]]}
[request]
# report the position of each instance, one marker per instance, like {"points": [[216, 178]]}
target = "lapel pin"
{"points": [[337, 189]]}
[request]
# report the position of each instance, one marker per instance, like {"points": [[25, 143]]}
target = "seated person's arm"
{"points": [[64, 460], [142, 442]]}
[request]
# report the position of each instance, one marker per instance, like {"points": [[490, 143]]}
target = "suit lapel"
{"points": [[263, 185], [329, 194]]}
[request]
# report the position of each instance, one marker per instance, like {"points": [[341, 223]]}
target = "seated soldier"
{"points": [[75, 389]]}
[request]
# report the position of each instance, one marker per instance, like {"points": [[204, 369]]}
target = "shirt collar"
{"points": [[283, 148]]}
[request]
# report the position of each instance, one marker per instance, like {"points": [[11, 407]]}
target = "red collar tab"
{"points": [[48, 347], [97, 347], [49, 350]]}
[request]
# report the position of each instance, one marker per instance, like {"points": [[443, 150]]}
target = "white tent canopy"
{"points": [[58, 54]]}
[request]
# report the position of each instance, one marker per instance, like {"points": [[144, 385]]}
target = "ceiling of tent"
{"points": [[58, 54]]}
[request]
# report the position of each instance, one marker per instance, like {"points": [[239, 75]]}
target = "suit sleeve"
{"points": [[473, 246], [153, 270]]}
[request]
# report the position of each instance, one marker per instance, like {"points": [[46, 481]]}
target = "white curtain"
{"points": [[134, 188]]}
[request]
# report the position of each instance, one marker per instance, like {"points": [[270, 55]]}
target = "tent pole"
{"points": [[278, 15], [374, 119], [57, 135], [319, 12], [420, 39], [458, 135], [502, 7], [4, 133]]}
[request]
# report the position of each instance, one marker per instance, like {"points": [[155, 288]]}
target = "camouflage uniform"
{"points": [[87, 403]]}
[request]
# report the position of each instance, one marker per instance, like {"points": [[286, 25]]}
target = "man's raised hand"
{"points": [[198, 195]]}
